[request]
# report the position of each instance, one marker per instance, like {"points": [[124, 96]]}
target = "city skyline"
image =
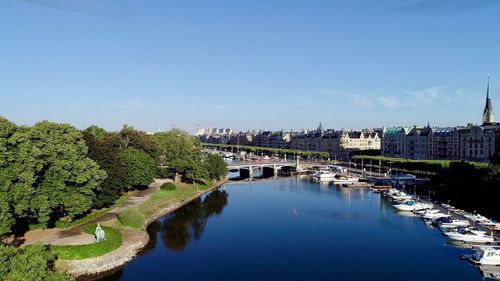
{"points": [[347, 64]]}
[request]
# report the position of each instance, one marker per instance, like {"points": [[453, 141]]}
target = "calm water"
{"points": [[251, 232]]}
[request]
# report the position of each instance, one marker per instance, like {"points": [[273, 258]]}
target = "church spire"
{"points": [[488, 116]]}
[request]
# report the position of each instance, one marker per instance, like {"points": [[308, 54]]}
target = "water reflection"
{"points": [[184, 225]]}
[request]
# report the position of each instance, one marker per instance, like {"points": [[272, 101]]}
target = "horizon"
{"points": [[189, 65]]}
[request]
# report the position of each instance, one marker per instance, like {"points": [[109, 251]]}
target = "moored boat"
{"points": [[324, 175], [412, 205], [485, 255], [469, 235]]}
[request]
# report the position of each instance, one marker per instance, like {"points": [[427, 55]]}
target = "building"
{"points": [[393, 142], [417, 142], [444, 144], [340, 144], [241, 138], [477, 143], [488, 116]]}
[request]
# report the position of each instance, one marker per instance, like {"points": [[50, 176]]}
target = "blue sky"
{"points": [[248, 64]]}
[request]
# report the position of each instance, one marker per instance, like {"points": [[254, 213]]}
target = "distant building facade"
{"points": [[471, 143]]}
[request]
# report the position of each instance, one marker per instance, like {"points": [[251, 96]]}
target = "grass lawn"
{"points": [[77, 252], [163, 198]]}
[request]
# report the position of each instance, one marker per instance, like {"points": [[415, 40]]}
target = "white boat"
{"points": [[338, 179], [447, 223], [433, 216], [324, 175], [469, 235], [411, 205], [477, 218], [486, 255], [426, 212]]}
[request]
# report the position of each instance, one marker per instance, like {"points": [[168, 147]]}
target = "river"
{"points": [[295, 229]]}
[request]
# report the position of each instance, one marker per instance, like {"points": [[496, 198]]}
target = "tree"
{"points": [[139, 166], [130, 137], [181, 153], [196, 172], [495, 158], [44, 173], [216, 166], [95, 131], [29, 263], [106, 152]]}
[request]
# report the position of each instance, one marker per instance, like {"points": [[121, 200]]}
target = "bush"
{"points": [[132, 217], [168, 186]]}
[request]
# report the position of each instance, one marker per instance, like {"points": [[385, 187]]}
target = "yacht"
{"points": [[338, 179], [485, 255], [433, 215], [477, 218], [447, 223], [412, 205], [324, 175], [469, 235]]}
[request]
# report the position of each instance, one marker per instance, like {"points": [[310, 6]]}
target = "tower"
{"points": [[488, 116]]}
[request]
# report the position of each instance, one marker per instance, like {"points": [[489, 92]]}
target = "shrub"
{"points": [[132, 217], [167, 186]]}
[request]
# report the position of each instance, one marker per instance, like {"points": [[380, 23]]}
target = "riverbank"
{"points": [[134, 240]]}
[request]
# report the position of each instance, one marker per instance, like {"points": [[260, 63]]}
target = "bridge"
{"points": [[246, 168]]}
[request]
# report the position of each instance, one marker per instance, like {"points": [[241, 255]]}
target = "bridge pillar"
{"points": [[275, 167], [250, 172]]}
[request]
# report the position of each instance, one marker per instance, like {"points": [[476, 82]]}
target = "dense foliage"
{"points": [[52, 173], [182, 155], [34, 263], [140, 167], [105, 150], [215, 166], [44, 173], [469, 187]]}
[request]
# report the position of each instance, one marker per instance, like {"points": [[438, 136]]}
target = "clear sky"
{"points": [[248, 64]]}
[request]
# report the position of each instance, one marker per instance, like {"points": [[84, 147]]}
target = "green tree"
{"points": [[130, 137], [180, 153], [44, 173], [139, 166], [95, 131], [216, 166], [106, 152], [30, 263]]}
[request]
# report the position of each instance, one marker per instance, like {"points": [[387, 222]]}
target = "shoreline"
{"points": [[134, 242]]}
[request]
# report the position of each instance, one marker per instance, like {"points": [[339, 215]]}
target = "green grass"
{"points": [[77, 252], [206, 186], [163, 198], [93, 215], [441, 163], [132, 217]]}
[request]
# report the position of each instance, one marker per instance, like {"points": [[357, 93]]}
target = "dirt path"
{"points": [[75, 235]]}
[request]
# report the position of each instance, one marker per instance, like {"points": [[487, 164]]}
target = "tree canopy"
{"points": [[44, 172], [140, 167]]}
